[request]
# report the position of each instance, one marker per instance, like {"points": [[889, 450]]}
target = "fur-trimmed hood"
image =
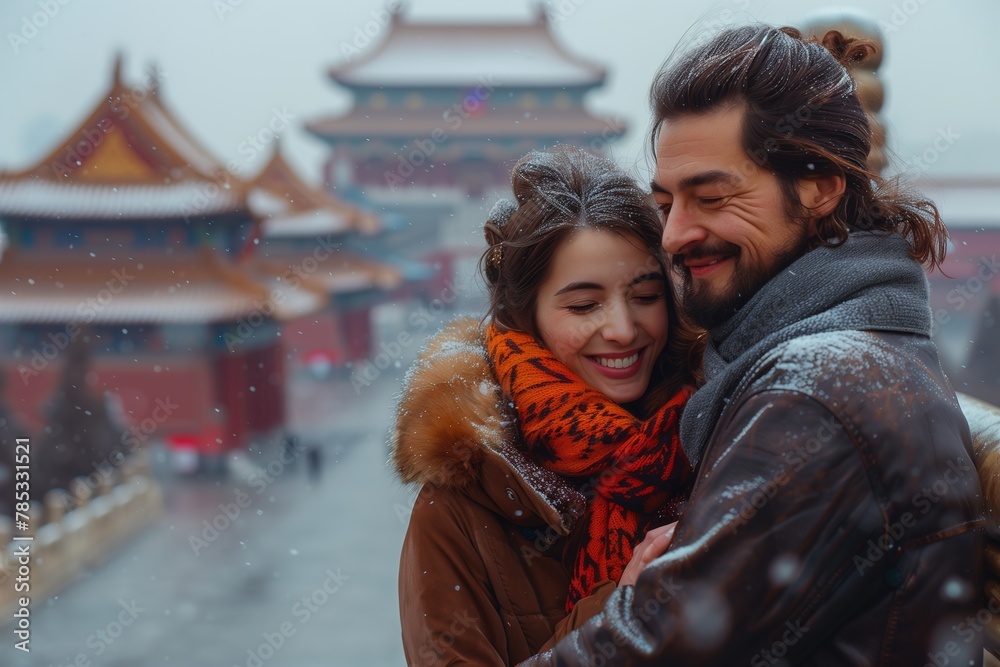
{"points": [[984, 424], [454, 430]]}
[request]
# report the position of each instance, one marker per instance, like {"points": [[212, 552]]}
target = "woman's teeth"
{"points": [[618, 363]]}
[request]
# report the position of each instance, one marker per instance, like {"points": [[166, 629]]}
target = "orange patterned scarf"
{"points": [[637, 468]]}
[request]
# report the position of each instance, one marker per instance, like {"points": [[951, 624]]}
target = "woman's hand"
{"points": [[652, 546]]}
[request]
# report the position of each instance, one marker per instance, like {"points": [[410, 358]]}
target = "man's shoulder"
{"points": [[840, 362]]}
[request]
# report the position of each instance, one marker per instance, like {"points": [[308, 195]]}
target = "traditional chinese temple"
{"points": [[305, 237], [441, 113], [131, 228]]}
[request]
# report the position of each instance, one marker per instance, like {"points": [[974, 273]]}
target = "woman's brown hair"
{"points": [[556, 193], [802, 118]]}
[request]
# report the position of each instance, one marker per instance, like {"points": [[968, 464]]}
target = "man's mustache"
{"points": [[713, 249]]}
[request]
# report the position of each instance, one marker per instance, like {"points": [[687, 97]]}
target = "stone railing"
{"points": [[81, 528]]}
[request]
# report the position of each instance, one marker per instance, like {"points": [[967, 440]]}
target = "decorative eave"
{"points": [[458, 55], [289, 207], [495, 124], [150, 287]]}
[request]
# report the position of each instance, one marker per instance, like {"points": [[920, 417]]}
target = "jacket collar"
{"points": [[452, 431]]}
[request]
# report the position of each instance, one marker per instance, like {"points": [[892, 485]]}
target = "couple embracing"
{"points": [[693, 427]]}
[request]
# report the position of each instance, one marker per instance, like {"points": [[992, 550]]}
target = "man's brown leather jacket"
{"points": [[836, 520]]}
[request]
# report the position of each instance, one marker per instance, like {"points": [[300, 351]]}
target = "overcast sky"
{"points": [[228, 64]]}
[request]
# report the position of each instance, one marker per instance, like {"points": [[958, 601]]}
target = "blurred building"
{"points": [[965, 294], [307, 237], [441, 113], [178, 269]]}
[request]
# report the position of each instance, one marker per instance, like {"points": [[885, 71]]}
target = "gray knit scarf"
{"points": [[870, 283]]}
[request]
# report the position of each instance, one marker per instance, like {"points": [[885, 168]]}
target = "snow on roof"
{"points": [[468, 54], [166, 127], [188, 287], [308, 224], [150, 146], [36, 197], [291, 207], [572, 122]]}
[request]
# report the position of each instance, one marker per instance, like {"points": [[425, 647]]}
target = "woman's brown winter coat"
{"points": [[482, 578]]}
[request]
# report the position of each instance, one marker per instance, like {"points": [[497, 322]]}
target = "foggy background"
{"points": [[226, 67]]}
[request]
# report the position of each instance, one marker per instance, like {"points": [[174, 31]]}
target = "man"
{"points": [[836, 517]]}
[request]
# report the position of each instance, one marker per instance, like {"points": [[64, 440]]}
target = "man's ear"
{"points": [[822, 194]]}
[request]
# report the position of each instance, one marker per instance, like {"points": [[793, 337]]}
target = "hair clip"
{"points": [[496, 255]]}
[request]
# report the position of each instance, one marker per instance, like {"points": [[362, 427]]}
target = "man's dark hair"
{"points": [[802, 118]]}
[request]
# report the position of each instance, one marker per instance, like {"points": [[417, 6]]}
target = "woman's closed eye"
{"points": [[650, 298], [581, 308]]}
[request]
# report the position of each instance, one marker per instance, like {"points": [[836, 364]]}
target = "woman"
{"points": [[546, 441]]}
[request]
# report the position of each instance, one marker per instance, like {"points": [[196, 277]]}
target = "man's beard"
{"points": [[709, 310]]}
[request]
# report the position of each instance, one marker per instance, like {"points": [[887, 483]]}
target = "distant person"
{"points": [[290, 448], [837, 517], [314, 460], [546, 441]]}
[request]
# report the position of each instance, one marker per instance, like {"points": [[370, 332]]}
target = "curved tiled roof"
{"points": [[461, 54]]}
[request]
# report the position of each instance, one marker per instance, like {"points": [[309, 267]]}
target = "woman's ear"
{"points": [[822, 194]]}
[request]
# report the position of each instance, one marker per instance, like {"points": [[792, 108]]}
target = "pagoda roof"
{"points": [[129, 141], [289, 207], [460, 54], [152, 287], [494, 124]]}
